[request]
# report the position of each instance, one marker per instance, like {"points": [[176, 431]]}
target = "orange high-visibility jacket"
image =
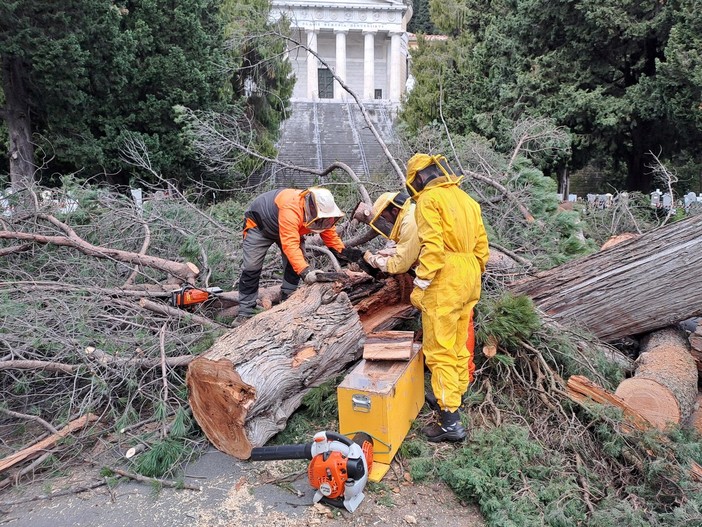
{"points": [[280, 216]]}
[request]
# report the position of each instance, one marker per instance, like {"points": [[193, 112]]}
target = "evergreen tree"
{"points": [[605, 70], [421, 19]]}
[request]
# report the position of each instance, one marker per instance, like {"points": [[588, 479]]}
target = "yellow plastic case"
{"points": [[382, 398]]}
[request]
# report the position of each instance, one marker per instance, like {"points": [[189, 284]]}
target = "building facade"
{"points": [[364, 42]]}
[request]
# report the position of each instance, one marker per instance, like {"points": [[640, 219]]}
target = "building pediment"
{"points": [[364, 15]]}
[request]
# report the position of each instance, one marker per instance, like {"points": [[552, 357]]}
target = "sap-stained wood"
{"points": [[637, 286], [388, 345], [664, 386]]}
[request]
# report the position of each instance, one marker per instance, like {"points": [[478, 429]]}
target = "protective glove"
{"points": [[376, 260], [416, 298], [418, 292], [309, 276]]}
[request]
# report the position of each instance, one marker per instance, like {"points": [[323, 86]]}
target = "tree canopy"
{"points": [[623, 77], [80, 80]]}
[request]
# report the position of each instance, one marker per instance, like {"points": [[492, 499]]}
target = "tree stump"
{"points": [[664, 386], [246, 386]]}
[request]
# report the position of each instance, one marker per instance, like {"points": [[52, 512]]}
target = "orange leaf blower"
{"points": [[339, 468]]}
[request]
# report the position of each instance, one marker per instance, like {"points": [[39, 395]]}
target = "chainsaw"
{"points": [[339, 468], [189, 295]]}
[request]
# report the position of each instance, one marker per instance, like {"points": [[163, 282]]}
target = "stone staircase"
{"points": [[320, 133]]}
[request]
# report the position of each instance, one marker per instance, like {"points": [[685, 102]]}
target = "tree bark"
{"points": [[637, 286], [664, 386], [245, 387], [17, 117]]}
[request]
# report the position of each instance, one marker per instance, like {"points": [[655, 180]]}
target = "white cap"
{"points": [[326, 207]]}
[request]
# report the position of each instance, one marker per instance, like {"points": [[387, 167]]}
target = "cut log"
{"points": [[695, 340], [637, 286], [585, 392], [389, 345], [246, 386], [664, 386]]}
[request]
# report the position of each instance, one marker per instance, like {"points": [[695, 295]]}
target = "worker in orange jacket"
{"points": [[283, 217]]}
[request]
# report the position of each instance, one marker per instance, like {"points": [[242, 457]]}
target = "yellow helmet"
{"points": [[423, 168], [386, 210]]}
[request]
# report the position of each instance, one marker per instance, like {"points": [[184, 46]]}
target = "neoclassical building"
{"points": [[364, 42]]}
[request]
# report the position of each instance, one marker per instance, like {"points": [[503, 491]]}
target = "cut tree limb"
{"points": [[637, 286], [664, 386], [25, 453], [246, 386], [187, 272]]}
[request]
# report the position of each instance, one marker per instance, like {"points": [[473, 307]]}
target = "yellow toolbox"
{"points": [[382, 398]]}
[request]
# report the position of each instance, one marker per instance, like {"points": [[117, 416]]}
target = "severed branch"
{"points": [[163, 309], [5, 251], [37, 365], [34, 418], [23, 454], [157, 481], [186, 272], [142, 252], [104, 358]]}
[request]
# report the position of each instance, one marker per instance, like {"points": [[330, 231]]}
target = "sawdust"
{"points": [[237, 494]]}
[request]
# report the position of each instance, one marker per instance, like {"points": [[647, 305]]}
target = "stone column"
{"points": [[369, 64], [312, 81], [339, 92], [395, 66]]}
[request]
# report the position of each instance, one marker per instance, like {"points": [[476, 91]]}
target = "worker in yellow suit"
{"points": [[453, 254], [393, 217]]}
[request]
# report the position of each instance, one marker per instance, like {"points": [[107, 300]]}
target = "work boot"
{"points": [[241, 318], [449, 428], [431, 401]]}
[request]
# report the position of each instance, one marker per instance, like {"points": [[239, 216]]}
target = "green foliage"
{"points": [[162, 458], [508, 318], [624, 79], [421, 18]]}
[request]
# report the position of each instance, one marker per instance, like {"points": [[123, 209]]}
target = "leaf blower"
{"points": [[339, 468]]}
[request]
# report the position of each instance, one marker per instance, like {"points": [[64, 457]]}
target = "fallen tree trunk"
{"points": [[640, 285], [246, 386], [664, 386]]}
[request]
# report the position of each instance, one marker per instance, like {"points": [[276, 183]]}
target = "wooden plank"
{"points": [[23, 454], [388, 345]]}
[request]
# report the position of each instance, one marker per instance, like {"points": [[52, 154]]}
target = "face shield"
{"points": [[423, 168], [321, 212], [387, 208]]}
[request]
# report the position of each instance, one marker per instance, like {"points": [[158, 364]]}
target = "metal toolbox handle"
{"points": [[361, 403]]}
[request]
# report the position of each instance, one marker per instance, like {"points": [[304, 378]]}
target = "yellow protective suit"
{"points": [[453, 255], [400, 258]]}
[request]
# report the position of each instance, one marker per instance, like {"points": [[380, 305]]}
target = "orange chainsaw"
{"points": [[339, 468], [189, 295]]}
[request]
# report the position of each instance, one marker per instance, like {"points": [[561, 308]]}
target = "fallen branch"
{"points": [[27, 417], [106, 359], [186, 272], [163, 309], [37, 365], [20, 456], [157, 481]]}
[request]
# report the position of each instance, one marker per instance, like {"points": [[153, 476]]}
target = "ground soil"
{"points": [[234, 493]]}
